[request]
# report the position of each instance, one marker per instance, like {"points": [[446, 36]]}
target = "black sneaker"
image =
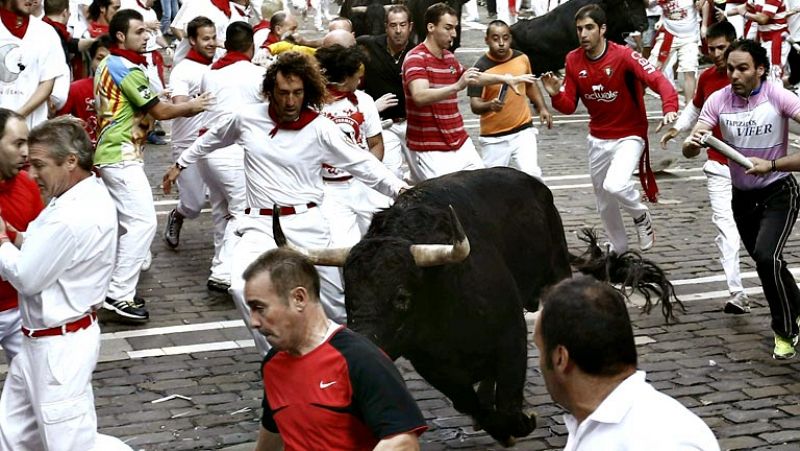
{"points": [[127, 310], [217, 286], [172, 229]]}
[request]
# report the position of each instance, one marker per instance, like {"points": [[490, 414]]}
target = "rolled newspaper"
{"points": [[728, 151]]}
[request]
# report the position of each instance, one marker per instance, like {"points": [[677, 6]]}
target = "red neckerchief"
{"points": [[271, 39], [97, 29], [9, 19], [263, 25], [646, 176], [60, 28], [228, 59], [338, 95], [142, 5], [198, 57], [306, 116], [241, 12], [135, 58], [224, 6]]}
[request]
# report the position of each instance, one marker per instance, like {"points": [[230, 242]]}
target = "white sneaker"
{"points": [[738, 304], [644, 229]]}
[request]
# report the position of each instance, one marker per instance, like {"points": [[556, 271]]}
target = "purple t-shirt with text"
{"points": [[756, 126]]}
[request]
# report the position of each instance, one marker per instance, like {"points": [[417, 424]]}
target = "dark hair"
{"points": [[722, 29], [96, 6], [64, 136], [594, 12], [5, 115], [102, 41], [287, 270], [196, 24], [121, 22], [277, 19], [53, 7], [435, 12], [239, 37], [496, 23], [758, 53], [338, 62], [300, 65], [398, 9], [589, 318]]}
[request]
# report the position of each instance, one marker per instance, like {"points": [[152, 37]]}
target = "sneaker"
{"points": [[127, 310], [644, 229], [172, 230], [148, 261], [784, 348], [156, 140], [217, 286], [738, 304]]}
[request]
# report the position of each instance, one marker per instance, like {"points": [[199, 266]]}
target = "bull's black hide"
{"points": [[547, 39], [462, 323]]}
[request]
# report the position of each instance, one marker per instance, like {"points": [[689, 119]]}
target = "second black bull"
{"points": [[442, 278]]}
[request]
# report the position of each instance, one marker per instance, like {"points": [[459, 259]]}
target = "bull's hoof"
{"points": [[503, 427], [509, 442]]}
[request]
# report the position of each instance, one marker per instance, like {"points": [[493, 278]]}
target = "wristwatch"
{"points": [[179, 166]]}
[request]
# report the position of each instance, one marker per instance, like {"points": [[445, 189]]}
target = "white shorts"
{"points": [[686, 50]]}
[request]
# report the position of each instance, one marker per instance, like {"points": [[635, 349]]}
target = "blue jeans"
{"points": [[169, 8]]}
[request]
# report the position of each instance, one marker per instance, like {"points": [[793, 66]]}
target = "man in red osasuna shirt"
{"points": [[20, 203], [719, 37], [325, 386], [608, 78]]}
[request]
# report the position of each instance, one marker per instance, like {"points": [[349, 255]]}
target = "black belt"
{"points": [[284, 210]]}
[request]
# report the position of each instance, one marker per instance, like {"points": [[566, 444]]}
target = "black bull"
{"points": [[458, 316], [548, 38]]}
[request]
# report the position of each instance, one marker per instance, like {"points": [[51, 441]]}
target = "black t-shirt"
{"points": [[344, 395], [384, 73]]}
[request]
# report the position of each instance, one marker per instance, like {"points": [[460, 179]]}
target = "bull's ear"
{"points": [[402, 301]]}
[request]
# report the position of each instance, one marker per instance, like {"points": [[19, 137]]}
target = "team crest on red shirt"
{"points": [[583, 74], [452, 70], [608, 71]]}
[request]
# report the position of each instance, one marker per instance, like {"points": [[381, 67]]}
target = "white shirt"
{"points": [[26, 62], [285, 169], [680, 18], [233, 86], [358, 122], [64, 267], [184, 80], [196, 8], [637, 417]]}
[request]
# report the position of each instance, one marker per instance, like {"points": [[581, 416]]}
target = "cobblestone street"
{"points": [[190, 378]]}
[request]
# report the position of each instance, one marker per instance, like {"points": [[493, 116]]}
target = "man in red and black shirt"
{"points": [[20, 203], [325, 387], [432, 76], [608, 78], [719, 37]]}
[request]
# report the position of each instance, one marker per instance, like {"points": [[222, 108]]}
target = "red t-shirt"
{"points": [[20, 203], [611, 88], [709, 82], [438, 126], [80, 103]]}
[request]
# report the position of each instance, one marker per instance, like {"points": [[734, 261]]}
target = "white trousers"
{"points": [[191, 189], [428, 165], [471, 8], [136, 213], [309, 230], [224, 176], [394, 148], [348, 207], [504, 12], [47, 401], [10, 333], [728, 241], [737, 21], [518, 150], [611, 164]]}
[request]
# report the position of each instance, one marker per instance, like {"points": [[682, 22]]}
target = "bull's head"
{"points": [[381, 275]]}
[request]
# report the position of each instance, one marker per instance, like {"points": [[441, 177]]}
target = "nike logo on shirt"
{"points": [[324, 385]]}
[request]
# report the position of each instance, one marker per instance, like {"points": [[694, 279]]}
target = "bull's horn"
{"points": [[334, 256], [441, 254]]}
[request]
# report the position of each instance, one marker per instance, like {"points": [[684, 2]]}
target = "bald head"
{"points": [[341, 37]]}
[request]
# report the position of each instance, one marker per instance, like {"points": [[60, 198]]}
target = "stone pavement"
{"points": [[189, 379]]}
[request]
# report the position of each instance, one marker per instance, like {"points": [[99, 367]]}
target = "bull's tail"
{"points": [[630, 270]]}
